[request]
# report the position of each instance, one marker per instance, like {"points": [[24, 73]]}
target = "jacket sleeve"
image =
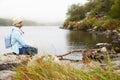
{"points": [[20, 39]]}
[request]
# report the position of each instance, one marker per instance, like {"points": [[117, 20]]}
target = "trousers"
{"points": [[28, 50]]}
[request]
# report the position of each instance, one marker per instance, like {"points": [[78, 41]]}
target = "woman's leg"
{"points": [[28, 50]]}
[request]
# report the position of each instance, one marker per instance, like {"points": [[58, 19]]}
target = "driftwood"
{"points": [[69, 60], [61, 57], [98, 55]]}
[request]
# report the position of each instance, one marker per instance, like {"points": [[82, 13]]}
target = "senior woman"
{"points": [[19, 45]]}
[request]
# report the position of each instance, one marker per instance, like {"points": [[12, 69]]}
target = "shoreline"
{"points": [[9, 62]]}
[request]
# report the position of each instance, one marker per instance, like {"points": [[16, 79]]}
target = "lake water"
{"points": [[52, 40]]}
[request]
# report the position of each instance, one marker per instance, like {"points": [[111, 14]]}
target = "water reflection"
{"points": [[79, 39]]}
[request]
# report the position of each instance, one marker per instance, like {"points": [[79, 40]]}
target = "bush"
{"points": [[111, 24]]}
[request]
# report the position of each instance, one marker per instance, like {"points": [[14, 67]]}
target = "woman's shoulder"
{"points": [[16, 31]]}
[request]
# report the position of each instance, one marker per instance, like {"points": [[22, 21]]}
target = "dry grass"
{"points": [[49, 70]]}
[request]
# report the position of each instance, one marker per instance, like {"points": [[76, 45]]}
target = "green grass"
{"points": [[49, 70]]}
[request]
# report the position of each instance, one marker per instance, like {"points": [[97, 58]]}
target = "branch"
{"points": [[76, 50], [70, 52]]}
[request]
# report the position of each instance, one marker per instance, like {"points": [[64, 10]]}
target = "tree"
{"points": [[76, 13], [115, 10]]}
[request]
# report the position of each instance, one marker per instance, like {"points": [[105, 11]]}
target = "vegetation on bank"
{"points": [[8, 22], [49, 70], [96, 14]]}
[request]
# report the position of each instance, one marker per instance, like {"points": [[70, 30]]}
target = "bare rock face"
{"points": [[8, 62], [6, 74]]}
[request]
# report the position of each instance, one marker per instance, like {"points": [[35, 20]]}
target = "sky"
{"points": [[37, 10]]}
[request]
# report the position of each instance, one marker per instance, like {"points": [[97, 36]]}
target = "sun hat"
{"points": [[17, 20]]}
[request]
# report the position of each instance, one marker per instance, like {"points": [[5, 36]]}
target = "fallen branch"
{"points": [[72, 60], [70, 52], [73, 51]]}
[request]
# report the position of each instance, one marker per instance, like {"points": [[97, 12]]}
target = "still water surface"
{"points": [[51, 39]]}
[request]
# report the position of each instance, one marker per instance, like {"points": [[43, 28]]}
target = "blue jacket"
{"points": [[17, 40]]}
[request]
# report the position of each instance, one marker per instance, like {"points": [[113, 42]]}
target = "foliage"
{"points": [[111, 24], [101, 6], [96, 14], [8, 22], [5, 22], [49, 70], [115, 10], [75, 13]]}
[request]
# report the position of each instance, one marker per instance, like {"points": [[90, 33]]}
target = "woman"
{"points": [[19, 45]]}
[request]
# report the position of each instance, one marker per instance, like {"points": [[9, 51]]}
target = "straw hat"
{"points": [[17, 20]]}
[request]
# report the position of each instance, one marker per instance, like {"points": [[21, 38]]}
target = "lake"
{"points": [[52, 40]]}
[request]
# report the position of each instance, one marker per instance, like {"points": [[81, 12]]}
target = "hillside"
{"points": [[100, 15], [8, 22]]}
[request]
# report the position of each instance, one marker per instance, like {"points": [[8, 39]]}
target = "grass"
{"points": [[49, 70]]}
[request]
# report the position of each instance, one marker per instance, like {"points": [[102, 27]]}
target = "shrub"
{"points": [[111, 24]]}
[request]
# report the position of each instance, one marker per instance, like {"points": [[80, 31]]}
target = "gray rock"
{"points": [[108, 32], [9, 61], [100, 45], [6, 74], [104, 49]]}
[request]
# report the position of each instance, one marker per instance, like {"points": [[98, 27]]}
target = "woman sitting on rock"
{"points": [[19, 45]]}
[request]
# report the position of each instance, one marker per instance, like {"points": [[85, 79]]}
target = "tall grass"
{"points": [[49, 70]]}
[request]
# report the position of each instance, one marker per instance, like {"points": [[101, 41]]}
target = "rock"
{"points": [[100, 45], [118, 30], [10, 61], [116, 43], [95, 28], [117, 63], [114, 31], [46, 57], [87, 14], [6, 74], [118, 36], [8, 66], [89, 30], [7, 62], [104, 49], [108, 32], [117, 71]]}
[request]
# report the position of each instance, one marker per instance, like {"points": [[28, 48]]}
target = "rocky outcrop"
{"points": [[8, 62], [99, 55], [6, 74]]}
